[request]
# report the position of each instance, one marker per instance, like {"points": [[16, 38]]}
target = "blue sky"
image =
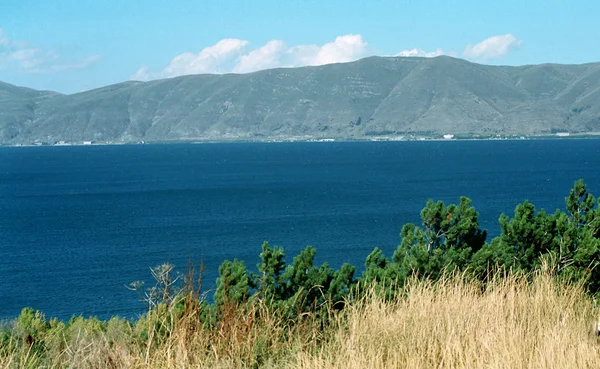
{"points": [[75, 45]]}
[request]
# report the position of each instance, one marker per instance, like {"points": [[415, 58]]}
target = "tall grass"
{"points": [[512, 322], [517, 321]]}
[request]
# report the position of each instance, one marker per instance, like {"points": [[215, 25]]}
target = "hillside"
{"points": [[376, 96]]}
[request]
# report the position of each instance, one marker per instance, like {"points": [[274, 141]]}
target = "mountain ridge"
{"points": [[371, 97]]}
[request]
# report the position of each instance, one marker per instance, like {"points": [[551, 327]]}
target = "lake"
{"points": [[77, 224]]}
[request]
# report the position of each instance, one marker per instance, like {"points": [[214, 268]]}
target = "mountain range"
{"points": [[369, 98]]}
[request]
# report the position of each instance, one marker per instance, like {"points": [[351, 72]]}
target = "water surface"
{"points": [[79, 223]]}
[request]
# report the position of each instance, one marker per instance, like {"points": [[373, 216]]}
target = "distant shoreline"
{"points": [[318, 140]]}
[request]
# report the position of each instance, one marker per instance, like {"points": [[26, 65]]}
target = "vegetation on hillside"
{"points": [[446, 298]]}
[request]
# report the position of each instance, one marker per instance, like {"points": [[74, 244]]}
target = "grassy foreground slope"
{"points": [[453, 324], [518, 321]]}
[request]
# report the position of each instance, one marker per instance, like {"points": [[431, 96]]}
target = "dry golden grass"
{"points": [[514, 322], [453, 324]]}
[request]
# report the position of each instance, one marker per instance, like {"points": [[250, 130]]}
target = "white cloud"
{"points": [[268, 56], [492, 48], [142, 74], [32, 60], [421, 53], [208, 60], [343, 49], [20, 56], [230, 55], [276, 54], [233, 55]]}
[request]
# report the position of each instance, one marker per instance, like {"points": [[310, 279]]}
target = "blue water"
{"points": [[77, 224]]}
